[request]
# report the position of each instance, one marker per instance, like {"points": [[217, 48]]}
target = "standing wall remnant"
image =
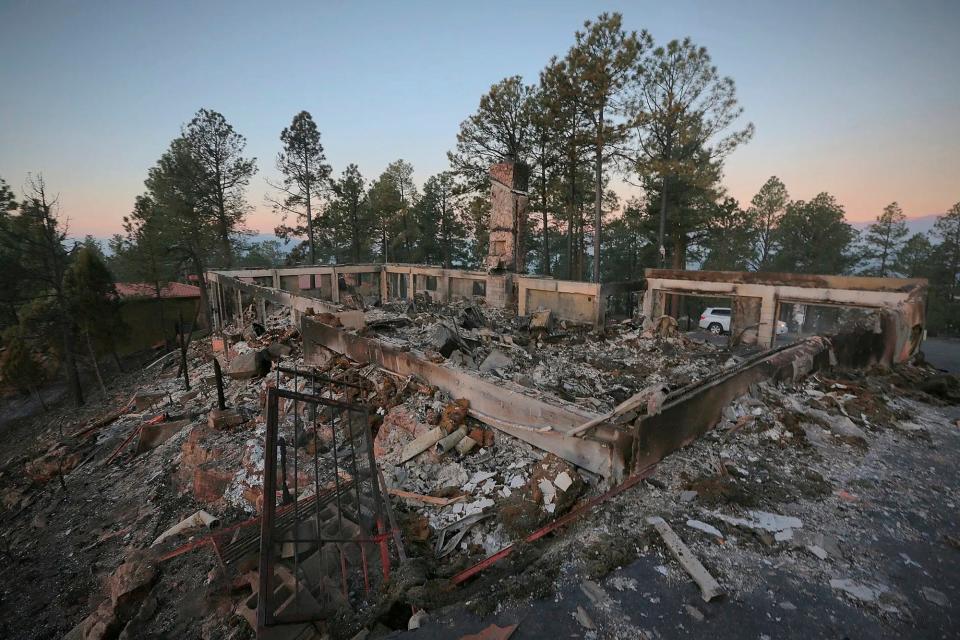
{"points": [[508, 216]]}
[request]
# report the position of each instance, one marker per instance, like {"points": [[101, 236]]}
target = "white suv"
{"points": [[716, 320]]}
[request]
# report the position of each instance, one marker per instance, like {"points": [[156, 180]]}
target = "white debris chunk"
{"points": [[563, 481], [548, 490], [772, 522], [859, 591], [783, 536], [936, 597], [622, 583], [706, 528], [477, 506], [817, 550]]}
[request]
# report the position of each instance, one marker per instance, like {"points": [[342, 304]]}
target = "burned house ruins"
{"points": [[372, 449]]}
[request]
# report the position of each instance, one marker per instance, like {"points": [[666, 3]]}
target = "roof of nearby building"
{"points": [[147, 290]]}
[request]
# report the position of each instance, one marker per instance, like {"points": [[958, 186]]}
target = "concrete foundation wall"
{"points": [[578, 302]]}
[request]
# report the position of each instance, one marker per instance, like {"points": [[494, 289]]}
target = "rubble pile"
{"points": [[781, 494], [567, 361], [797, 477]]}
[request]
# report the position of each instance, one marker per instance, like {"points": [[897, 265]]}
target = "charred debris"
{"points": [[333, 468], [363, 451]]}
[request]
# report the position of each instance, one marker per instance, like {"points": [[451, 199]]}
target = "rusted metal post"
{"points": [[182, 331], [218, 374], [264, 610]]}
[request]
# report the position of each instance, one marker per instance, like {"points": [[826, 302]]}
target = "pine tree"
{"points": [[499, 131], [220, 174], [814, 237], [947, 229], [36, 232], [602, 62], [392, 197], [11, 293], [20, 366], [566, 113], [884, 238], [349, 215], [305, 176], [731, 237], [683, 110], [767, 209], [442, 233], [913, 260]]}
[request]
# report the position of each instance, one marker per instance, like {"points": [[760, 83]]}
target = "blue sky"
{"points": [[861, 99]]}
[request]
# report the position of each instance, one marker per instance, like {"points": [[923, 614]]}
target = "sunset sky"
{"points": [[860, 99]]}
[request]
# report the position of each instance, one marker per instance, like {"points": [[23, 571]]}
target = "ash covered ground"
{"points": [[824, 508]]}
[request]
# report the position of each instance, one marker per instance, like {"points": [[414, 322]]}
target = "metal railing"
{"points": [[327, 540]]}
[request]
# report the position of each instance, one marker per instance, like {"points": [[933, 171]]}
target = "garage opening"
{"points": [[707, 318], [796, 320]]}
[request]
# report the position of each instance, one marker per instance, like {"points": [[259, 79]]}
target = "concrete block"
{"points": [[153, 435], [224, 419]]}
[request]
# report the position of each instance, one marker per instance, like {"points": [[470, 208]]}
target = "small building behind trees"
{"points": [[153, 317]]}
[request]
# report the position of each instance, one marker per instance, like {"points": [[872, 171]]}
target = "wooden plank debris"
{"points": [[709, 588], [432, 500]]}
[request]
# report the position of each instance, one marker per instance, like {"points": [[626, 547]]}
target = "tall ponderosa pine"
{"points": [[947, 229], [11, 294], [498, 131], [731, 237], [221, 173], [176, 211], [767, 209], [566, 113], [441, 231], [602, 62], [305, 174], [392, 197], [914, 259], [544, 156], [883, 239], [814, 237], [349, 215], [684, 110]]}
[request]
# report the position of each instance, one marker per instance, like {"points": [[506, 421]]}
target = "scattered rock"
{"points": [[496, 360], [857, 590], [252, 364], [695, 613], [818, 551], [936, 597], [583, 618], [706, 528]]}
